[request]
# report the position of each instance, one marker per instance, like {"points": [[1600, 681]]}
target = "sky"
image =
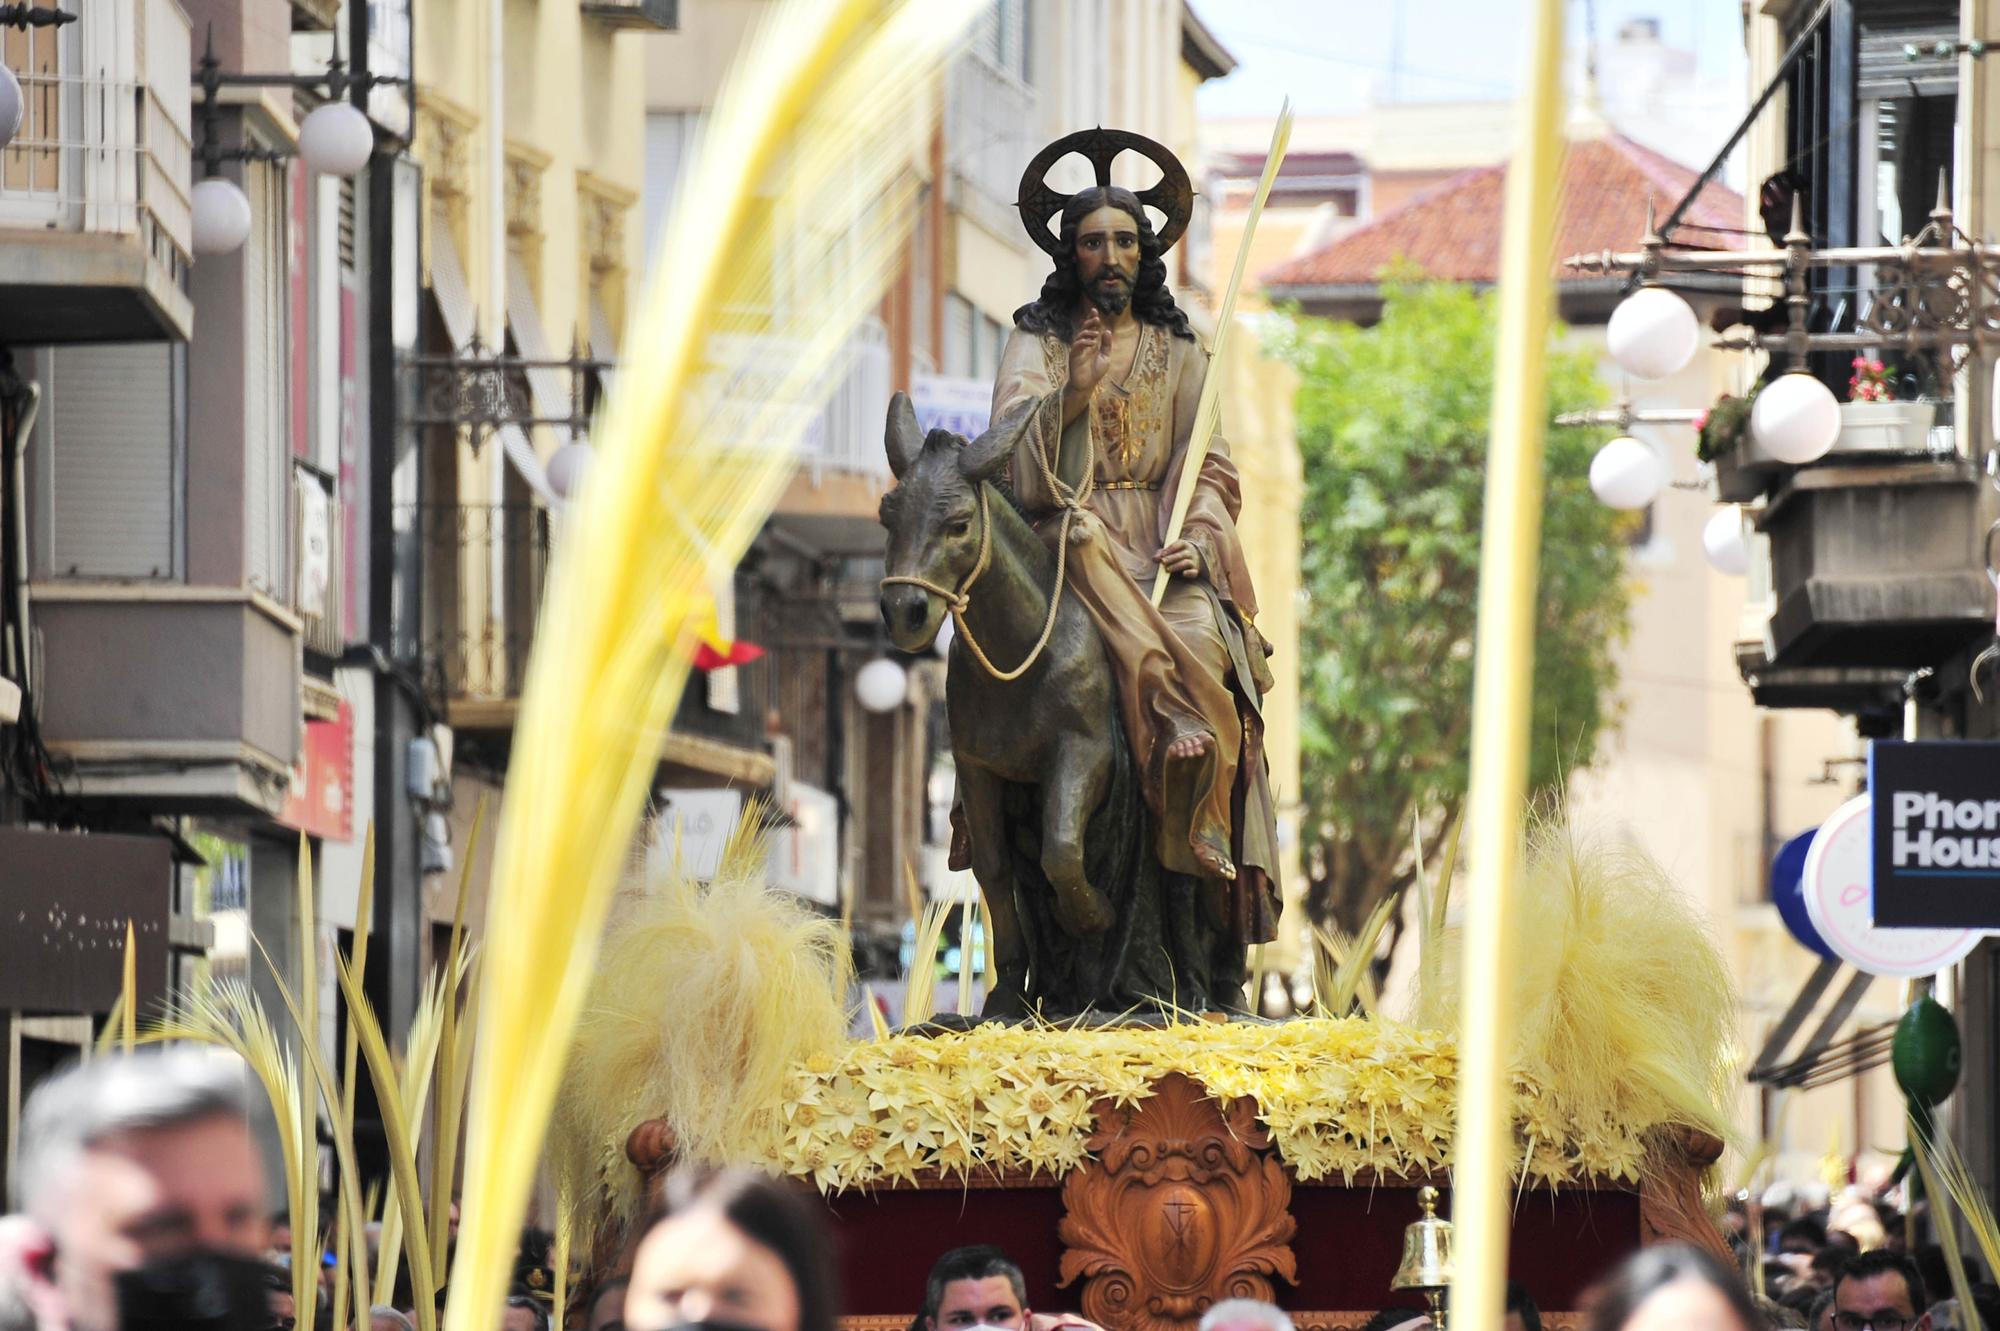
{"points": [[1335, 56]]}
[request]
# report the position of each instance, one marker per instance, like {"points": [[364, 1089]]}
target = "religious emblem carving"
{"points": [[1182, 1206]]}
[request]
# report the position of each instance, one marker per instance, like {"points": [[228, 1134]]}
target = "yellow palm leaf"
{"points": [[402, 1143], [799, 197], [454, 1051]]}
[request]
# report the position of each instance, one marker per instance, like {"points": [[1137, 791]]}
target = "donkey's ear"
{"points": [[905, 440], [985, 456]]}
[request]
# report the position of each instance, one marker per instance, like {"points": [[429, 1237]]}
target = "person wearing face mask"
{"points": [[144, 1195], [981, 1288], [732, 1250]]}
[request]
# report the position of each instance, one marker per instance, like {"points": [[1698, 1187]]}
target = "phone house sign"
{"points": [[1937, 833]]}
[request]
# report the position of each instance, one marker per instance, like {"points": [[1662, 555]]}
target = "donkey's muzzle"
{"points": [[905, 610]]}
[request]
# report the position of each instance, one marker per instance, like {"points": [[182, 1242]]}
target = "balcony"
{"points": [[484, 566], [1875, 571], [186, 697], [484, 570], [94, 219]]}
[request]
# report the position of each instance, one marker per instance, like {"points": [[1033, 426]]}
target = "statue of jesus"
{"points": [[1111, 374]]}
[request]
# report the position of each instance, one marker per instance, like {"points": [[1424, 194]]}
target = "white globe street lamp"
{"points": [[336, 140], [221, 216], [567, 467], [881, 685], [1627, 474], [1724, 544], [12, 106], [1795, 418], [1653, 334]]}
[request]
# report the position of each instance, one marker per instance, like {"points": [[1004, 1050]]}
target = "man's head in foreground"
{"points": [[976, 1286], [128, 1161]]}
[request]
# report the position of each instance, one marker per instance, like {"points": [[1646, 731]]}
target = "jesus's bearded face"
{"points": [[1107, 258]]}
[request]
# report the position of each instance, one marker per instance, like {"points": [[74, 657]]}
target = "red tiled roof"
{"points": [[1452, 231]]}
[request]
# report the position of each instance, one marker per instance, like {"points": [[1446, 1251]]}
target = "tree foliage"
{"points": [[1392, 423]]}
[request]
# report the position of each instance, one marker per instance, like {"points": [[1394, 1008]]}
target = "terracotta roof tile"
{"points": [[1452, 231]]}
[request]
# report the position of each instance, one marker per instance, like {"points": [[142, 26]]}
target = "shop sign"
{"points": [[1937, 833], [321, 800], [1838, 879]]}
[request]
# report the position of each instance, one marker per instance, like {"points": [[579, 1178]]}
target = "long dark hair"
{"points": [[1054, 311], [776, 1214]]}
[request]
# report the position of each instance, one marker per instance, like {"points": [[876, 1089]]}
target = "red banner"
{"points": [[321, 802]]}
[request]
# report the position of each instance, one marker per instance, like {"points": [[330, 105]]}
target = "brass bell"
{"points": [[1426, 1261]]}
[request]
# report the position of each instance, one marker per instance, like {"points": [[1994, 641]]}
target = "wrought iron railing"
{"points": [[483, 568]]}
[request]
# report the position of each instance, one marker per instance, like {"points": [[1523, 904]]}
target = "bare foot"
{"points": [[1189, 746]]}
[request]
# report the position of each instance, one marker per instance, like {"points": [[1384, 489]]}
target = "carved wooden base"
{"points": [[1178, 1210], [1185, 1203]]}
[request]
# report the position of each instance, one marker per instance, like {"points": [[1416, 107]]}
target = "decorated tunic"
{"points": [[1195, 664]]}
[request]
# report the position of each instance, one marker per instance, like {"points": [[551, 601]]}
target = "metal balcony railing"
{"points": [[483, 568], [103, 147]]}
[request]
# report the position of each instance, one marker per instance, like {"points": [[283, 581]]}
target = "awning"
{"points": [[454, 298], [547, 385]]}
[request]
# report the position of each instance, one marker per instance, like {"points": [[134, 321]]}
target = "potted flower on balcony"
{"points": [[1723, 438], [1873, 421]]}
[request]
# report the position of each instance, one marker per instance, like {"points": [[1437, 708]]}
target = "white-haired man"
{"points": [[1245, 1315], [133, 1162]]}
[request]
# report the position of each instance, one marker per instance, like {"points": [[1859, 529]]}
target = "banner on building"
{"points": [[943, 402], [1936, 829]]}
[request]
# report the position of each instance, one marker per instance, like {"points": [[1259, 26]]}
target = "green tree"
{"points": [[1392, 423]]}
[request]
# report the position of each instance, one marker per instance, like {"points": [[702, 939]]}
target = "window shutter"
{"points": [[264, 359], [113, 476]]}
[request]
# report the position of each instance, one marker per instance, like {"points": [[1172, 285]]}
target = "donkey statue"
{"points": [[1083, 917]]}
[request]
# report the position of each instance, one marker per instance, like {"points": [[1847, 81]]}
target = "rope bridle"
{"points": [[1072, 502]]}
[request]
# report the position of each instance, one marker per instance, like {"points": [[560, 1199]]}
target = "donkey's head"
{"points": [[933, 515]]}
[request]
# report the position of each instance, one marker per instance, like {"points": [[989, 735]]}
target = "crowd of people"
{"points": [[141, 1206]]}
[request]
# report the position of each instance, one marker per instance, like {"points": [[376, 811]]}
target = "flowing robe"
{"points": [[1195, 664]]}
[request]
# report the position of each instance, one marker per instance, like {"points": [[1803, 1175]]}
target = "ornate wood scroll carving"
{"points": [[1670, 1205], [1180, 1208]]}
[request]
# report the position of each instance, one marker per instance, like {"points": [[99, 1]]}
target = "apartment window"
{"points": [[1868, 134], [107, 461], [670, 139], [1906, 123], [1001, 37], [32, 164]]}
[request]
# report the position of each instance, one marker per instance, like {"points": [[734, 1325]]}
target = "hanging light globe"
{"points": [[1795, 418], [881, 685], [1723, 543], [1627, 474], [12, 106], [221, 213], [336, 140], [1653, 334], [567, 467]]}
